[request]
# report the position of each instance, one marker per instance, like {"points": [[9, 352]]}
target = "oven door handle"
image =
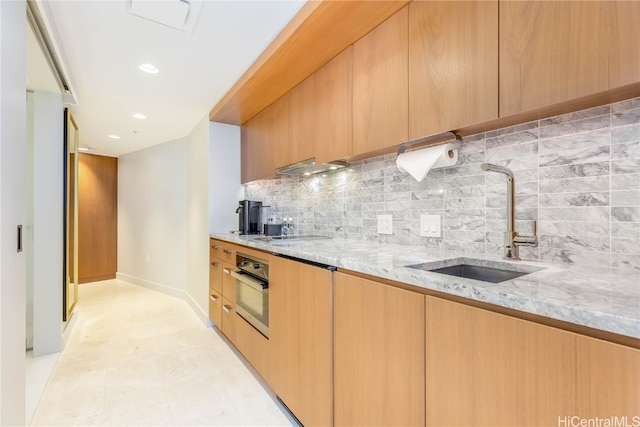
{"points": [[250, 281]]}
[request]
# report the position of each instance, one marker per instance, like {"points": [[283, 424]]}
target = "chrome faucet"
{"points": [[512, 240]]}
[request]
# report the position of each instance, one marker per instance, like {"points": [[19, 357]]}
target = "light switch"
{"points": [[430, 226]]}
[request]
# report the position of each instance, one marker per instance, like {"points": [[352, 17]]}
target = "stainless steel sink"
{"points": [[473, 269]]}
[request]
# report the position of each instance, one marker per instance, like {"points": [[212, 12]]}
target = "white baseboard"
{"points": [[178, 293]]}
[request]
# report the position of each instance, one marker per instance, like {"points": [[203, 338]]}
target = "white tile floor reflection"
{"points": [[139, 357]]}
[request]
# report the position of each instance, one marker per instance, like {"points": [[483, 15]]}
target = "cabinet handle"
{"points": [[20, 238], [226, 270], [216, 247], [227, 251], [215, 264], [214, 298], [226, 308]]}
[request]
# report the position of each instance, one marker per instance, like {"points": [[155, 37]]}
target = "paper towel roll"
{"points": [[418, 163]]}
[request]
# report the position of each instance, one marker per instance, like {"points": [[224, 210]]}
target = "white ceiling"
{"points": [[102, 46]]}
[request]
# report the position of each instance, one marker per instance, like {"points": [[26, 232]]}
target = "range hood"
{"points": [[309, 167]]}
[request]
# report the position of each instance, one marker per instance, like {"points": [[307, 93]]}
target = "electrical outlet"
{"points": [[430, 226], [385, 224]]}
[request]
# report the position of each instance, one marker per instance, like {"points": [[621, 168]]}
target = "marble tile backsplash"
{"points": [[578, 174]]}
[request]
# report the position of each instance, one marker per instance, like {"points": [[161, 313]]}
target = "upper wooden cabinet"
{"points": [[380, 86], [264, 141], [277, 136], [453, 65], [302, 121], [253, 147], [333, 100], [556, 51], [437, 66], [314, 119]]}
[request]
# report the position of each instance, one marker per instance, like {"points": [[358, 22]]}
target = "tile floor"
{"points": [[139, 357]]}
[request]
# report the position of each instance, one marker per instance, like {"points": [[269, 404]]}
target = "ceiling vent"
{"points": [[181, 15]]}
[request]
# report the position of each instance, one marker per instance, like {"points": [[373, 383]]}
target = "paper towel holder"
{"points": [[409, 144]]}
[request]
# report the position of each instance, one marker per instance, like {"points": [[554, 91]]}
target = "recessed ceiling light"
{"points": [[83, 149], [113, 136], [149, 68], [333, 168], [139, 116], [307, 173]]}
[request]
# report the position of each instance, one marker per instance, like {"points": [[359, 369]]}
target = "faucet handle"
{"points": [[528, 240]]}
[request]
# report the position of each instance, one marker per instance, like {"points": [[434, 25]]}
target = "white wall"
{"points": [[28, 232], [13, 115], [198, 214], [48, 257], [152, 216], [225, 189], [163, 218]]}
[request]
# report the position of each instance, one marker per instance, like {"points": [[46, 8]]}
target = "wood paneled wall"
{"points": [[97, 218]]}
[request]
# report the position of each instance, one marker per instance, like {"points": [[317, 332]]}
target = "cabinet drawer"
{"points": [[253, 346], [215, 275], [228, 283], [215, 307], [223, 251], [229, 320]]}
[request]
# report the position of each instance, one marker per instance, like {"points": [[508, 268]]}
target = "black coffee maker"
{"points": [[249, 216]]}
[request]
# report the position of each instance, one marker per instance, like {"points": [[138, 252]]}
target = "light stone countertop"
{"points": [[604, 299]]}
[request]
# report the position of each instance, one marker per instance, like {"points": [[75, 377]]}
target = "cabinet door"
{"points": [[258, 142], [555, 51], [453, 65], [485, 368], [215, 308], [278, 136], [624, 33], [250, 149], [333, 108], [380, 86], [378, 354], [608, 377], [302, 125], [300, 335]]}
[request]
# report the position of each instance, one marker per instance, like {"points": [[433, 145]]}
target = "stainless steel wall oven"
{"points": [[252, 291]]}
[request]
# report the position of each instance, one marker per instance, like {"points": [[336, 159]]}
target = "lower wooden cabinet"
{"points": [[215, 274], [379, 354], [349, 351], [608, 380], [229, 319], [223, 251], [300, 335], [485, 368], [253, 346], [215, 307], [228, 282]]}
